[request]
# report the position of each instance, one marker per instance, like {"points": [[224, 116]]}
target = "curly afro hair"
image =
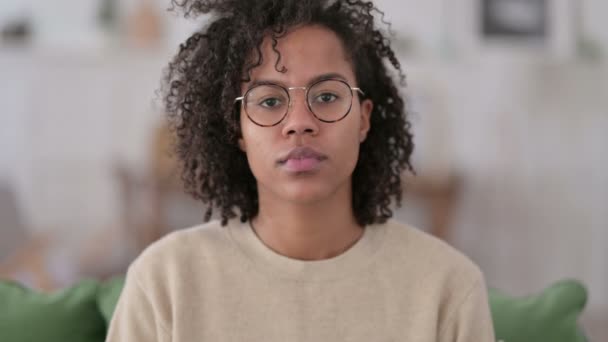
{"points": [[204, 77]]}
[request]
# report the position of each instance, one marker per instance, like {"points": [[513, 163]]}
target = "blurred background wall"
{"points": [[509, 105]]}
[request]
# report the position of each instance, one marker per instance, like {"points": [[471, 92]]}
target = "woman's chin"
{"points": [[304, 190], [308, 192]]}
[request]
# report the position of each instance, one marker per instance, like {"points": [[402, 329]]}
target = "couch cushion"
{"points": [[108, 295], [68, 315], [550, 315]]}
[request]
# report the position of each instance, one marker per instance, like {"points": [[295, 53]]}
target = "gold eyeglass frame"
{"points": [[306, 89]]}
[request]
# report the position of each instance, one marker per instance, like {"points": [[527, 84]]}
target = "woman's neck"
{"points": [[316, 231]]}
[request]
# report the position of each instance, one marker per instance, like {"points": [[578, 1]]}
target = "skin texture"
{"points": [[306, 215]]}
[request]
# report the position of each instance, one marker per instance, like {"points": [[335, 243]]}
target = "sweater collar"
{"points": [[355, 258]]}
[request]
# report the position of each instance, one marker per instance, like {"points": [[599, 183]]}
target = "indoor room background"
{"points": [[508, 100]]}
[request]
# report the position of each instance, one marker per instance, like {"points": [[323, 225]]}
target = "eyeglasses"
{"points": [[329, 100]]}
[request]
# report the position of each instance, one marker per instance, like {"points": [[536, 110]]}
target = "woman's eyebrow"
{"points": [[332, 75]]}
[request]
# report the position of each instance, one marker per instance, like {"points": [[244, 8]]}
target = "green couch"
{"points": [[29, 316]]}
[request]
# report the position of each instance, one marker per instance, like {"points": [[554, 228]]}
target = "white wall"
{"points": [[69, 119], [529, 141]]}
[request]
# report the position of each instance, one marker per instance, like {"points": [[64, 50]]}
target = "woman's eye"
{"points": [[326, 97], [270, 102]]}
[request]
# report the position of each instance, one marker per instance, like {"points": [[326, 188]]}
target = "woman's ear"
{"points": [[366, 111], [241, 140], [242, 145]]}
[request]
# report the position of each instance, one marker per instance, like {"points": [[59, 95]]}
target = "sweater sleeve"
{"points": [[135, 318], [471, 320]]}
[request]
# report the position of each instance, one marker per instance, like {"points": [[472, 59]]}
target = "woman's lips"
{"points": [[302, 159], [302, 165]]}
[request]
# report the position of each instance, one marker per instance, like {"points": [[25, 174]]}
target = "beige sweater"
{"points": [[216, 284]]}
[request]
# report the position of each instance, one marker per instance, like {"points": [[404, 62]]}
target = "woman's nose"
{"points": [[300, 120]]}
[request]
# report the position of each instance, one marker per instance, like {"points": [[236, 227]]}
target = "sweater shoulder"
{"points": [[428, 254], [175, 251]]}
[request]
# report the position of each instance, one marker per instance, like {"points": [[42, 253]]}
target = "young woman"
{"points": [[288, 122]]}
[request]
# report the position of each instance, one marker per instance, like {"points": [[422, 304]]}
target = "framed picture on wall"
{"points": [[548, 29], [517, 19]]}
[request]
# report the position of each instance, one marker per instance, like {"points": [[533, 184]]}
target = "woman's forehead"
{"points": [[304, 53]]}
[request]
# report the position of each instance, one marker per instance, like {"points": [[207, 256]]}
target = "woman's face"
{"points": [[304, 160]]}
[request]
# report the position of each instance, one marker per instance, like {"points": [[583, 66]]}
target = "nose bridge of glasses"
{"points": [[292, 88], [291, 97]]}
